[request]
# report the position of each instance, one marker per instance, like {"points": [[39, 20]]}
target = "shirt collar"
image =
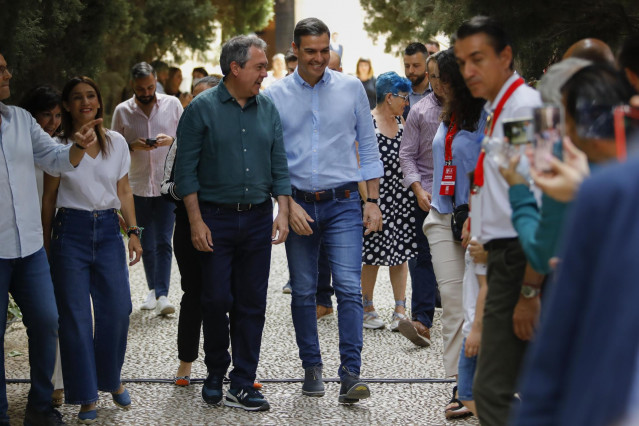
{"points": [[225, 96], [428, 89], [489, 105], [4, 110], [326, 78]]}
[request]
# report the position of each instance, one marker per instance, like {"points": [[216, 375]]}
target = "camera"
{"points": [[151, 142]]}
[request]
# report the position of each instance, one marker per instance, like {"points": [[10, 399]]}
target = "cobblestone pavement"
{"points": [[152, 354]]}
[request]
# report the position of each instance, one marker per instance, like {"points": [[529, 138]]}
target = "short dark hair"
{"points": [[600, 85], [141, 70], [309, 26], [237, 50], [289, 56], [209, 80], [629, 53], [159, 66], [433, 42], [485, 25], [416, 47], [41, 98], [201, 70]]}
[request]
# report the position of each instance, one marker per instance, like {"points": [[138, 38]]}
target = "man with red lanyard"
{"points": [[485, 58]]}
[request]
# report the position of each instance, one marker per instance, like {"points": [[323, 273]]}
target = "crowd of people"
{"points": [[421, 173]]}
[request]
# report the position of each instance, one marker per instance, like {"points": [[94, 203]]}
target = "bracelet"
{"points": [[372, 200], [134, 230], [77, 145]]}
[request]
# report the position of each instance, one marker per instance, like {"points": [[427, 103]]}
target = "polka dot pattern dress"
{"points": [[395, 243]]}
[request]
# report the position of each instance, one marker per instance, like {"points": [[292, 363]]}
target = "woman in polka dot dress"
{"points": [[395, 243]]}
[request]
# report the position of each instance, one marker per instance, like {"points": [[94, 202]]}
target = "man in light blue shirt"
{"points": [[24, 270], [323, 113]]}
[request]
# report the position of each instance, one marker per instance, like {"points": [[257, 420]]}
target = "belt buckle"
{"points": [[239, 209], [309, 197]]}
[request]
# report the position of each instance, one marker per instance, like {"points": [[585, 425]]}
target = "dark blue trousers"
{"points": [[234, 284], [422, 276]]}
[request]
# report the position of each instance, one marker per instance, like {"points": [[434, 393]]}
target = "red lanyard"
{"points": [[478, 181], [453, 128]]}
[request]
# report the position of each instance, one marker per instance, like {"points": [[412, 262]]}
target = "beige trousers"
{"points": [[448, 263]]}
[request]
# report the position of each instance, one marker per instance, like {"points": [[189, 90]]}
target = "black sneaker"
{"points": [[212, 390], [48, 417], [352, 389], [246, 398], [313, 384]]}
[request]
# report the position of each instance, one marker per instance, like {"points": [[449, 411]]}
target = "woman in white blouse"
{"points": [[87, 256]]}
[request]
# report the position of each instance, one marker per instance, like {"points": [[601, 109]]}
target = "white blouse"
{"points": [[93, 185]]}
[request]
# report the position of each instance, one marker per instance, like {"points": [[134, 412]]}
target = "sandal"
{"points": [[455, 408]]}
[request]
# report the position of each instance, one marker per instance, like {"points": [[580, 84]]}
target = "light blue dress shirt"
{"points": [[320, 125], [23, 142], [466, 148]]}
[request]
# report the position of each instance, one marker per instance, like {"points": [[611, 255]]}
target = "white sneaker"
{"points": [[372, 320], [394, 326], [150, 301], [164, 306]]}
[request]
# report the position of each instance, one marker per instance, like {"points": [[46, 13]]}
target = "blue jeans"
{"points": [[324, 289], [28, 279], [156, 215], [422, 276], [466, 373], [88, 262], [234, 282], [338, 227]]}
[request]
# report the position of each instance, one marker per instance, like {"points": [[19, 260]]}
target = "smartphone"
{"points": [[548, 133], [519, 131], [626, 127], [151, 142]]}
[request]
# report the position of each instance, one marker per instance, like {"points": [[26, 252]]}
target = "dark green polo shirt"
{"points": [[230, 154]]}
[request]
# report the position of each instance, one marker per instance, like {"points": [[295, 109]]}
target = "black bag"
{"points": [[460, 214]]}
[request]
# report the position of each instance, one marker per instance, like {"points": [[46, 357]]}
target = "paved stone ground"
{"points": [[152, 354]]}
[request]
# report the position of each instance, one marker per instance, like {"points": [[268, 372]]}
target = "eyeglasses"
{"points": [[405, 98], [4, 69]]}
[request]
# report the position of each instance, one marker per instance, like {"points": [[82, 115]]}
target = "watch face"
{"points": [[528, 292]]}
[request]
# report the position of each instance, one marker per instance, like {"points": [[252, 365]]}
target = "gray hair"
{"points": [[141, 70], [237, 50], [209, 80], [556, 76]]}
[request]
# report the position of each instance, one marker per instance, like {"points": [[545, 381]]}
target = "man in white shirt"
{"points": [[24, 269], [148, 121], [485, 59]]}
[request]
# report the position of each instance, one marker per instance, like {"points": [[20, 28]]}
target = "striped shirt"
{"points": [[415, 152], [147, 167]]}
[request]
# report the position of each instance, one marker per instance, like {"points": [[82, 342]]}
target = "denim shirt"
{"points": [[320, 125], [466, 148], [23, 142]]}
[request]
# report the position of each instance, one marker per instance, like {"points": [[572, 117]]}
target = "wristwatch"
{"points": [[372, 200], [529, 292]]}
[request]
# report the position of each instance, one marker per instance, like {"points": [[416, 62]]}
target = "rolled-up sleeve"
{"points": [[190, 133], [371, 166], [408, 150], [279, 164]]}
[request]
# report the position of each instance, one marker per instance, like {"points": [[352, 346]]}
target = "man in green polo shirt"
{"points": [[229, 163]]}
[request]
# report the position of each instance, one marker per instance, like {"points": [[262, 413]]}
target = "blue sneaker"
{"points": [[246, 398], [287, 288], [87, 417], [212, 390]]}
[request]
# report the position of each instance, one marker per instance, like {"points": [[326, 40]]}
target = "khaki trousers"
{"points": [[448, 262]]}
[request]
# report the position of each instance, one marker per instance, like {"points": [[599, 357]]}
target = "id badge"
{"points": [[448, 181]]}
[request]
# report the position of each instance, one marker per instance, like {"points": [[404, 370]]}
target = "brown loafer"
{"points": [[415, 331], [323, 311]]}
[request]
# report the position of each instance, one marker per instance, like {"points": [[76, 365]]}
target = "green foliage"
{"points": [[13, 312], [49, 41], [540, 30]]}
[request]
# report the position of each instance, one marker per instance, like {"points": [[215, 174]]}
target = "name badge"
{"points": [[448, 181]]}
